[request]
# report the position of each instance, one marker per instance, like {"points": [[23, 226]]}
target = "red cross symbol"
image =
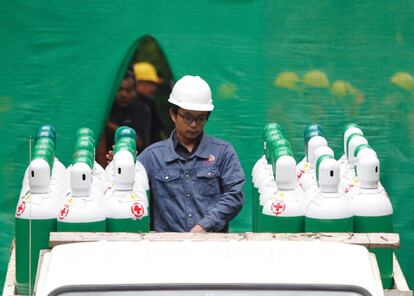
{"points": [[278, 207], [20, 208], [137, 209], [64, 212]]}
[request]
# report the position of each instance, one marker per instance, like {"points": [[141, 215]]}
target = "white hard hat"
{"points": [[192, 93]]}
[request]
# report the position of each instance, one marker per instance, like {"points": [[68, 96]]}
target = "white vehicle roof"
{"points": [[208, 263]]}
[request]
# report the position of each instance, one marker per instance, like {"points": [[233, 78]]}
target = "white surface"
{"points": [[158, 262]]}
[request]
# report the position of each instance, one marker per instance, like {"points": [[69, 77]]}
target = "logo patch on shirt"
{"points": [[211, 158]]}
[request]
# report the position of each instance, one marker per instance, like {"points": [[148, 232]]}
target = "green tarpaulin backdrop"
{"points": [[293, 62]]}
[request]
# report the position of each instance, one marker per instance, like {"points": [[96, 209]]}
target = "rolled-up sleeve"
{"points": [[231, 200]]}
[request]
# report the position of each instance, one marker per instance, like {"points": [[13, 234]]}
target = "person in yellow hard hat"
{"points": [[147, 85], [126, 110]]}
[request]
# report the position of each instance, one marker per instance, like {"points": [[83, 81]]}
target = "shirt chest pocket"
{"points": [[208, 181], [167, 183]]}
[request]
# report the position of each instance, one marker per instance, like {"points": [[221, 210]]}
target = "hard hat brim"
{"points": [[192, 107]]}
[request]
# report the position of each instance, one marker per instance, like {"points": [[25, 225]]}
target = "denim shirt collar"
{"points": [[201, 152]]}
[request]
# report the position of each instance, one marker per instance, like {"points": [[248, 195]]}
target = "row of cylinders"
{"points": [[319, 187], [320, 193], [84, 182], [81, 198]]}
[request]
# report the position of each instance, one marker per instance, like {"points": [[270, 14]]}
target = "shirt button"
{"points": [[166, 177], [189, 215], [188, 195], [187, 175]]}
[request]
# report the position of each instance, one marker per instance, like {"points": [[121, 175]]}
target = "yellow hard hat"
{"points": [[404, 80], [316, 78], [146, 72]]}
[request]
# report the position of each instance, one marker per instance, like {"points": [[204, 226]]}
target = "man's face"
{"points": [[147, 88], [125, 93], [189, 124]]}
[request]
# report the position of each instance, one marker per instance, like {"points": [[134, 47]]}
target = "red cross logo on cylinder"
{"points": [[137, 210], [64, 212], [20, 208], [278, 207]]}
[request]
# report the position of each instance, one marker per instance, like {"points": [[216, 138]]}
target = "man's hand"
{"points": [[197, 229], [109, 156]]}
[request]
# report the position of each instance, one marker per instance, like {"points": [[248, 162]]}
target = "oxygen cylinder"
{"points": [[313, 188], [329, 210], [347, 176], [349, 129], [126, 209], [125, 137], [263, 170], [87, 142], [271, 132], [35, 218], [373, 211], [352, 188], [283, 211], [265, 179], [306, 178], [310, 131], [44, 140], [82, 211], [99, 185]]}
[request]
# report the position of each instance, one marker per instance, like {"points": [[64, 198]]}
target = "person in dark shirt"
{"points": [[147, 83], [196, 180], [128, 111]]}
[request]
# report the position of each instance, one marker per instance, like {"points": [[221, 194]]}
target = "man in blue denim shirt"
{"points": [[196, 180]]}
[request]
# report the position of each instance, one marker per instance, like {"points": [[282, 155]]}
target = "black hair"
{"points": [[129, 74], [174, 109]]}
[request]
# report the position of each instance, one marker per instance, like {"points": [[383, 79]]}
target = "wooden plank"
{"points": [[174, 236], [348, 238], [370, 240], [380, 240], [400, 282], [58, 238], [9, 282]]}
